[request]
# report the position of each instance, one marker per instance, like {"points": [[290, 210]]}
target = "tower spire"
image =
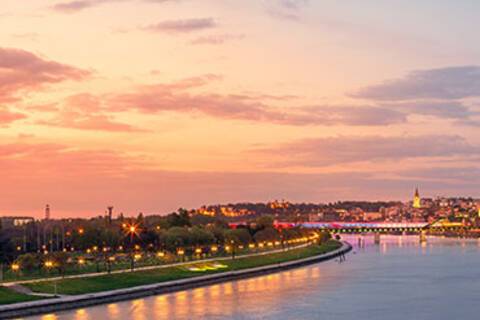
{"points": [[416, 199]]}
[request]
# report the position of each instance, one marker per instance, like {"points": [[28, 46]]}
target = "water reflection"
{"points": [[399, 279]]}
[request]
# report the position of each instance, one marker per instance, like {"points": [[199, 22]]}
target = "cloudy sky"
{"points": [[151, 105]]}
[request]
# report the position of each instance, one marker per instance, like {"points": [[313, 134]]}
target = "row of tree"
{"points": [[167, 233]]}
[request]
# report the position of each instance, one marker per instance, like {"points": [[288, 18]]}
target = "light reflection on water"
{"points": [[399, 279]]}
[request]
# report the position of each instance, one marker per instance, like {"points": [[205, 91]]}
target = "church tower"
{"points": [[416, 199]]}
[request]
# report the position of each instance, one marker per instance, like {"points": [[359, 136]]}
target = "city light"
{"points": [[214, 248], [198, 251], [49, 264], [81, 261], [15, 267], [161, 254]]}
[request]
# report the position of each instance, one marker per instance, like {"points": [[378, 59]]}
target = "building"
{"points": [[11, 222], [416, 200]]}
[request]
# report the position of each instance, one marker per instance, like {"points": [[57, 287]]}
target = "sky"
{"points": [[152, 105]]}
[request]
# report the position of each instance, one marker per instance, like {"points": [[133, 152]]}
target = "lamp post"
{"points": [[15, 268], [49, 264], [132, 231], [232, 242], [181, 253]]}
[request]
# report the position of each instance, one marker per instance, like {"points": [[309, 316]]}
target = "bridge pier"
{"points": [[377, 238], [423, 236]]}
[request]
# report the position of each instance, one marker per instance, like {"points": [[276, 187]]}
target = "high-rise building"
{"points": [[416, 200]]}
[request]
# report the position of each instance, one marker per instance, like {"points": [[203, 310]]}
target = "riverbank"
{"points": [[9, 296], [191, 278]]}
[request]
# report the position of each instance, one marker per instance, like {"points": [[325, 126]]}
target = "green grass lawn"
{"points": [[8, 296], [91, 267], [131, 279]]}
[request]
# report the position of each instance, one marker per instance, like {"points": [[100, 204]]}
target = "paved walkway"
{"points": [[96, 274]]}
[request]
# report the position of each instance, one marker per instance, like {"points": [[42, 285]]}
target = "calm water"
{"points": [[398, 279]]}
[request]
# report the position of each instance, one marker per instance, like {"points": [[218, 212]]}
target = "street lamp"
{"points": [[16, 269], [214, 249], [181, 253], [132, 231]]}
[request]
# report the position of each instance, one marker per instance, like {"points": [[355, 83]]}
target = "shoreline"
{"points": [[86, 300]]}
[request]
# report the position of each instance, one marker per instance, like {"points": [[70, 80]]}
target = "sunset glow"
{"points": [[152, 105]]}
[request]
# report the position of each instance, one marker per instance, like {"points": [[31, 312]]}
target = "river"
{"points": [[397, 279]]}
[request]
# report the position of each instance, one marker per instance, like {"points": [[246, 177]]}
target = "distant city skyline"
{"points": [[154, 105]]}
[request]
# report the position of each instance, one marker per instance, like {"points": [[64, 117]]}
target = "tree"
{"points": [[201, 236], [29, 261], [180, 219], [264, 222], [267, 234], [177, 237], [239, 236]]}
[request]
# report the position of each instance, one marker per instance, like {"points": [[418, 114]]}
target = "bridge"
{"points": [[371, 227]]}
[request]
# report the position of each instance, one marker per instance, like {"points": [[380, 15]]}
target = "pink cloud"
{"points": [[22, 70], [182, 26], [84, 112], [176, 97]]}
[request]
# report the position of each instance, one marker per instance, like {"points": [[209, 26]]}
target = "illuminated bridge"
{"points": [[366, 227]]}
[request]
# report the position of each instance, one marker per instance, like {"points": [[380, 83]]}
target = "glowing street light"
{"points": [[15, 267]]}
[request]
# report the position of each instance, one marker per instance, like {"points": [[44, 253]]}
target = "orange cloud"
{"points": [[7, 116]]}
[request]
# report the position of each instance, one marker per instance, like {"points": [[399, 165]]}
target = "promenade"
{"points": [[85, 300]]}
